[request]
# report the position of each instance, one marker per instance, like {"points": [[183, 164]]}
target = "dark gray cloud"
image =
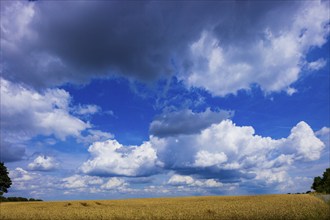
{"points": [[48, 43], [90, 39], [224, 176], [185, 122], [11, 152]]}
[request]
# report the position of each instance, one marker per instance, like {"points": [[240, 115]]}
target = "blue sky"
{"points": [[156, 99]]}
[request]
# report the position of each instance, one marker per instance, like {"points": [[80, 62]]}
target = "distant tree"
{"points": [[322, 184], [3, 199], [5, 181], [317, 183]]}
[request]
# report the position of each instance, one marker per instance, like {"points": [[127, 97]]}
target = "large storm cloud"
{"points": [[148, 40]]}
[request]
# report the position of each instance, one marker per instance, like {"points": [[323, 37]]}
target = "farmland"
{"points": [[211, 207]]}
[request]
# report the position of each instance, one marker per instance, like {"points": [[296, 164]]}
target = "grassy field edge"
{"points": [[202, 207]]}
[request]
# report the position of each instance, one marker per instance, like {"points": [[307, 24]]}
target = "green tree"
{"points": [[5, 181], [317, 183], [322, 184]]}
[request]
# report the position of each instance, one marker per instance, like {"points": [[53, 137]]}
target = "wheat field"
{"points": [[212, 207]]}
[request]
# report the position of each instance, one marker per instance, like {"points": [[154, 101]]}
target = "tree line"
{"points": [[17, 199]]}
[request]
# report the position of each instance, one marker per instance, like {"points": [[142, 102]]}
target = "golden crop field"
{"points": [[212, 207]]}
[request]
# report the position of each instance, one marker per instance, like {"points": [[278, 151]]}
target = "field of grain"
{"points": [[215, 207]]}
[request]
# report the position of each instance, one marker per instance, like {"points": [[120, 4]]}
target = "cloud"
{"points": [[87, 109], [178, 179], [221, 153], [231, 153], [325, 131], [110, 158], [94, 136], [78, 181], [114, 183], [141, 41], [278, 177], [11, 152], [112, 40], [26, 113], [272, 59], [93, 184], [324, 135], [223, 139], [171, 123], [189, 181], [206, 159], [20, 174], [290, 91], [43, 186], [43, 163], [304, 142], [29, 182], [317, 65]]}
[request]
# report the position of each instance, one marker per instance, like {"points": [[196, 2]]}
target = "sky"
{"points": [[127, 99]]}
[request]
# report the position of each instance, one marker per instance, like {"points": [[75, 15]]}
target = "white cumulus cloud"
{"points": [[223, 152], [234, 153], [179, 180], [43, 163], [206, 159], [26, 113], [304, 142], [110, 158]]}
